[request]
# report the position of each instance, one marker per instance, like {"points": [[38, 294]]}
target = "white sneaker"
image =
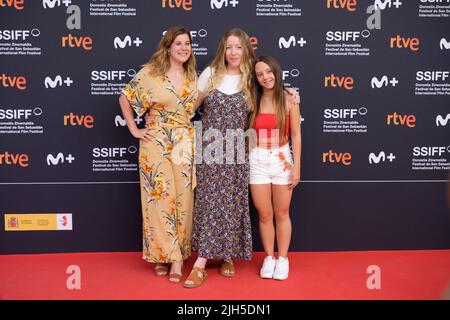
{"points": [[268, 267], [281, 269]]}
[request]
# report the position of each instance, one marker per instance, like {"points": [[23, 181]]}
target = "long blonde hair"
{"points": [[159, 63], [219, 64]]}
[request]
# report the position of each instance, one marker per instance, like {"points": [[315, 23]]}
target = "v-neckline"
{"points": [[174, 90]]}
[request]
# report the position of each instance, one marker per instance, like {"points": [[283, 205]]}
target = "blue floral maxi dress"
{"points": [[221, 219]]}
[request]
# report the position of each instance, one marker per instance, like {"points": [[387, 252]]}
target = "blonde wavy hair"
{"points": [[159, 63], [219, 64]]}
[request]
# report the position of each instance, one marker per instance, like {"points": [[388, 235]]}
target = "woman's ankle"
{"points": [[200, 263]]}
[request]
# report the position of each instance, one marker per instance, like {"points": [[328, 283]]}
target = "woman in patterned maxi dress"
{"points": [[222, 227], [164, 90]]}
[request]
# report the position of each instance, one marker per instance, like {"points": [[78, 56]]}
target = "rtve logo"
{"points": [[404, 43], [430, 151], [18, 34], [290, 73], [382, 4], [337, 157], [18, 114], [384, 82], [349, 5], [57, 82], [432, 75], [11, 159], [343, 113], [218, 4], [339, 82], [60, 158], [401, 120], [17, 4], [444, 44], [291, 42], [126, 42], [74, 120], [440, 121], [70, 41], [113, 152], [19, 82], [52, 3], [381, 157], [185, 4], [111, 75], [120, 122], [346, 35]]}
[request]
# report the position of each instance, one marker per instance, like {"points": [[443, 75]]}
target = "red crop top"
{"points": [[268, 121]]}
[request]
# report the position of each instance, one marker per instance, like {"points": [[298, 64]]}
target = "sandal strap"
{"points": [[194, 275]]}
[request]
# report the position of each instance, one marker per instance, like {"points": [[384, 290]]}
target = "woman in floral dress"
{"points": [[164, 90], [221, 214]]}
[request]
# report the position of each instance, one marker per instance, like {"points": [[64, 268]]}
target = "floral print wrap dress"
{"points": [[166, 165]]}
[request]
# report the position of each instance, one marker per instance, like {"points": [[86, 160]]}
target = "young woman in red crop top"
{"points": [[274, 171]]}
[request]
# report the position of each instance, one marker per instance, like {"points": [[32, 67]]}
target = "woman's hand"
{"points": [[294, 97], [295, 179], [143, 134]]}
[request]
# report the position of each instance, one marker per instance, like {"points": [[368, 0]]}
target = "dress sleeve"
{"points": [[202, 82], [136, 94]]}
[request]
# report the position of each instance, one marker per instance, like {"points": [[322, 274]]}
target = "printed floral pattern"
{"points": [[166, 185], [222, 228]]}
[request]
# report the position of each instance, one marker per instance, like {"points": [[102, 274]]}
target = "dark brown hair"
{"points": [[279, 100]]}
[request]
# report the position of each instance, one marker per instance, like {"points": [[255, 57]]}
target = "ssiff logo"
{"points": [[18, 34], [349, 5], [17, 4], [185, 4], [290, 73], [432, 75], [111, 75]]}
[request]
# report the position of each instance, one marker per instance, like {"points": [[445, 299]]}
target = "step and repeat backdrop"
{"points": [[374, 80]]}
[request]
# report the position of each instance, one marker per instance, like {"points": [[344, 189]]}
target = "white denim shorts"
{"points": [[271, 165]]}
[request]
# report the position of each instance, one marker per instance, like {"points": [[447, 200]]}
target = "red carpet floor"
{"points": [[313, 275]]}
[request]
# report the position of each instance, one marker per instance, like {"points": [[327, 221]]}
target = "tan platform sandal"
{"points": [[161, 270], [227, 269], [197, 277], [176, 277]]}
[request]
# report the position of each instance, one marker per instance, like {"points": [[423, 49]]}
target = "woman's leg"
{"points": [[262, 199], [182, 200], [281, 198]]}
